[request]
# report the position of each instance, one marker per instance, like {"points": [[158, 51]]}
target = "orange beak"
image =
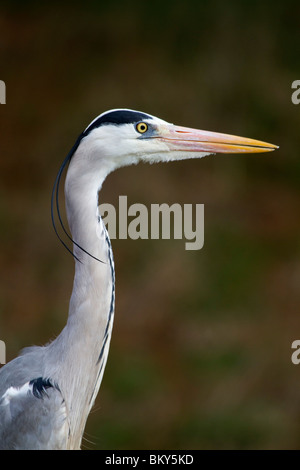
{"points": [[193, 140]]}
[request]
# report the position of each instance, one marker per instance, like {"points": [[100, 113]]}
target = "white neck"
{"points": [[81, 349]]}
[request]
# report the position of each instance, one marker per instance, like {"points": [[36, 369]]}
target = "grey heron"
{"points": [[46, 393]]}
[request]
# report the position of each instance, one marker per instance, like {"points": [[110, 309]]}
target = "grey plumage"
{"points": [[47, 392], [30, 420]]}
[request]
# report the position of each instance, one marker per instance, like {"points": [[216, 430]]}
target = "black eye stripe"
{"points": [[117, 118]]}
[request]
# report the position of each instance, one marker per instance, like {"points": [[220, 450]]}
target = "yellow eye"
{"points": [[141, 127]]}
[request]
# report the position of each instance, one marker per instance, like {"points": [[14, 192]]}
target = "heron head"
{"points": [[123, 137]]}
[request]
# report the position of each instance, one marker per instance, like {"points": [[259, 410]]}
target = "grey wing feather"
{"points": [[33, 413]]}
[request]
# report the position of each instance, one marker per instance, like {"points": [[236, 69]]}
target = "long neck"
{"points": [[81, 349]]}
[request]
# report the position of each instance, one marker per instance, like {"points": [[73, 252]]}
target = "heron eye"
{"points": [[141, 127]]}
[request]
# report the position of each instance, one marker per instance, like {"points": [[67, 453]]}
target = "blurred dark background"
{"points": [[201, 349]]}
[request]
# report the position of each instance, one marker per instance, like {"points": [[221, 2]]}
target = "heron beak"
{"points": [[193, 140]]}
